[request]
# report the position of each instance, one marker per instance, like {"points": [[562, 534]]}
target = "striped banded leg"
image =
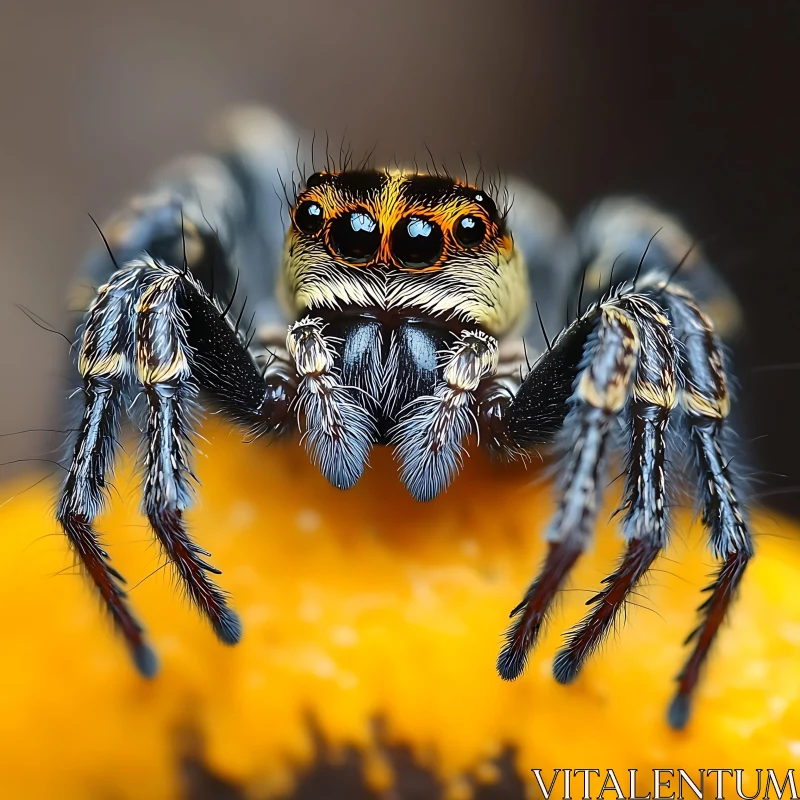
{"points": [[105, 366], [705, 404], [645, 524], [614, 367], [339, 431], [153, 327], [163, 370], [441, 421]]}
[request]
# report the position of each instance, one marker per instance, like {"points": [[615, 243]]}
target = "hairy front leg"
{"points": [[705, 403], [153, 329], [105, 365], [646, 502], [605, 367], [163, 370]]}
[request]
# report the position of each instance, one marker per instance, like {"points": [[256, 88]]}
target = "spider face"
{"points": [[405, 302], [394, 241]]}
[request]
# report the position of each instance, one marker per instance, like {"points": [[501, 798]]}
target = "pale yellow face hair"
{"points": [[483, 283]]}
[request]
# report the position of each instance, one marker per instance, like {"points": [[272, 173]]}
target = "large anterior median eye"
{"points": [[356, 237], [417, 242]]}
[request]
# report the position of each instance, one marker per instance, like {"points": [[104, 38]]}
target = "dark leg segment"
{"points": [[646, 519], [163, 369], [607, 366], [166, 497], [705, 403], [214, 216], [172, 316], [534, 607], [645, 523], [661, 280], [722, 591], [104, 363], [81, 500]]}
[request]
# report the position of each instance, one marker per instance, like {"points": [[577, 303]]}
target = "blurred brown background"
{"points": [[691, 103]]}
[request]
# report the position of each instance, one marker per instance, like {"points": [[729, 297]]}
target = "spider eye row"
{"points": [[416, 241]]}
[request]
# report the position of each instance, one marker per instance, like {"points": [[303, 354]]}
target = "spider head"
{"points": [[402, 242]]}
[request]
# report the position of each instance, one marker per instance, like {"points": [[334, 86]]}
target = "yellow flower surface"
{"points": [[371, 622]]}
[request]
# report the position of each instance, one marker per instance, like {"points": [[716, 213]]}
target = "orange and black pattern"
{"points": [[402, 241]]}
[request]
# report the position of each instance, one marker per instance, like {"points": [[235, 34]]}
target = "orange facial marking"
{"points": [[391, 204]]}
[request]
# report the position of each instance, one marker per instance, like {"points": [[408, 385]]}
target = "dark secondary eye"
{"points": [[308, 217], [317, 179], [470, 230], [356, 236], [487, 203], [417, 242]]}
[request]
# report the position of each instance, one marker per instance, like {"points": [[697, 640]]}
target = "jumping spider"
{"points": [[407, 301]]}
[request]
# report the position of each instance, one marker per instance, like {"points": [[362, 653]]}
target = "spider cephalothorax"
{"points": [[404, 303]]}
